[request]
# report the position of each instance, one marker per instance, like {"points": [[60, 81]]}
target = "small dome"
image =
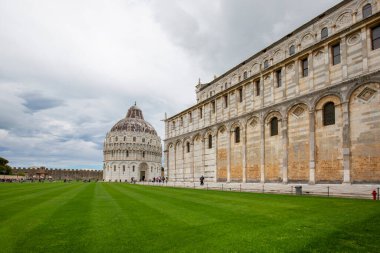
{"points": [[134, 122]]}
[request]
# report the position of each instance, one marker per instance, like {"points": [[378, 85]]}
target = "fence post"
{"points": [[222, 187], [263, 188], [240, 187], [207, 186], [194, 185], [291, 191], [328, 191]]}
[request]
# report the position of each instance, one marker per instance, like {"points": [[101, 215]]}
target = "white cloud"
{"points": [[69, 70]]}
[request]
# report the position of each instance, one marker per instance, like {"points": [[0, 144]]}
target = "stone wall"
{"points": [[58, 174], [305, 148]]}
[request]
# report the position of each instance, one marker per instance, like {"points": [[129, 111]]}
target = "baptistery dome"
{"points": [[132, 149]]}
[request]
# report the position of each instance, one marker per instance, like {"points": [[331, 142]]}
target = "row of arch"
{"points": [[303, 143], [321, 30], [116, 171]]}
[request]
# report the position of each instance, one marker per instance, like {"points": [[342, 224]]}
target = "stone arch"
{"points": [[209, 153], [264, 59], [278, 55], [364, 110], [197, 169], [357, 85], [253, 147], [292, 106], [179, 160], [255, 68], [307, 39], [188, 158], [236, 151], [323, 98], [252, 120], [360, 4], [343, 19], [273, 146], [298, 142], [222, 153], [221, 129], [328, 142], [269, 115], [143, 170], [171, 160], [292, 42], [207, 132]]}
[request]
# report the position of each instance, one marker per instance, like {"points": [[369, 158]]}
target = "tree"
{"points": [[4, 168]]}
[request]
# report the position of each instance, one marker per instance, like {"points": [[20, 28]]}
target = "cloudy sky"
{"points": [[70, 69]]}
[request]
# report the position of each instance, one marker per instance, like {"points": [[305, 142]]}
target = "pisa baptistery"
{"points": [[132, 150]]}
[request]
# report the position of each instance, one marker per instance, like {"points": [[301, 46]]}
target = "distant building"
{"points": [[132, 149], [58, 174], [305, 109]]}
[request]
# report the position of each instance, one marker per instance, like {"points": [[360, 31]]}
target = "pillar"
{"points": [[346, 143], [228, 155], [285, 150], [244, 154], [312, 146], [262, 149]]}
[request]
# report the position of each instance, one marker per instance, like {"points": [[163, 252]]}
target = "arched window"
{"points": [[329, 114], [127, 154], [123, 168], [274, 126], [134, 139], [367, 10], [116, 138], [114, 168], [266, 64], [324, 33], [245, 75], [237, 135], [124, 138], [133, 168], [143, 154], [292, 50], [209, 141], [375, 34], [188, 147]]}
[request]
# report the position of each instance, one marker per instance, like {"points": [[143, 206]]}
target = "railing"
{"points": [[327, 190]]}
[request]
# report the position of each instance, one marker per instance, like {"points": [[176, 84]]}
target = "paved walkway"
{"points": [[335, 190]]}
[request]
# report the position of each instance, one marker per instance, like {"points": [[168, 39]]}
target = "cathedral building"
{"points": [[132, 149], [305, 109]]}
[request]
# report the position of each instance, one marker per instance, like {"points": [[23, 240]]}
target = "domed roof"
{"points": [[134, 122]]}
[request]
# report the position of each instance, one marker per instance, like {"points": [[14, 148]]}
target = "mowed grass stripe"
{"points": [[32, 197], [63, 229], [151, 223], [20, 223], [118, 217], [111, 227], [200, 231], [279, 224], [14, 189], [177, 209]]}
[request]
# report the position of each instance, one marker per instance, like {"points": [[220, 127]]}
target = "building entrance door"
{"points": [[143, 168], [142, 175]]}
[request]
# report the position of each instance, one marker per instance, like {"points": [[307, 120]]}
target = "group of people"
{"points": [[160, 179]]}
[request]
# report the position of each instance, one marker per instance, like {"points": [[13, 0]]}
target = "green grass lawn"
{"points": [[116, 217]]}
